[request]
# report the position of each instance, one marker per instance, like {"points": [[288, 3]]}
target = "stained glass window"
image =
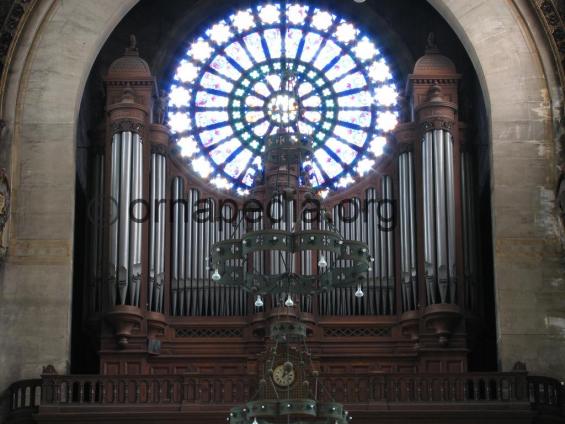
{"points": [[227, 95]]}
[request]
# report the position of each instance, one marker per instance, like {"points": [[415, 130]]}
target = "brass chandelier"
{"points": [[290, 389]]}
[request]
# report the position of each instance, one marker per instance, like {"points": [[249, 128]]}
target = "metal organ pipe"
{"points": [[212, 288], [407, 231], [182, 223], [135, 230], [429, 227], [387, 187], [412, 227], [403, 236], [125, 199], [175, 242], [157, 231], [190, 235], [114, 216], [362, 235], [152, 214], [404, 242], [161, 256], [158, 198], [450, 209], [373, 236], [440, 216]]}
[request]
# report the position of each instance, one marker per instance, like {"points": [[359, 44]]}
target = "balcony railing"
{"points": [[214, 393]]}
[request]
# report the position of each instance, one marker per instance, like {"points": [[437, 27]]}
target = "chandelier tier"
{"points": [[287, 179], [284, 157]]}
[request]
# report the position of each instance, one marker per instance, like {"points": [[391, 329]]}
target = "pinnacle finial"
{"points": [[431, 46], [131, 49]]}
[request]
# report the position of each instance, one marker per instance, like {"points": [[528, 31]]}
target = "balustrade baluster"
{"points": [[126, 391], [487, 390]]}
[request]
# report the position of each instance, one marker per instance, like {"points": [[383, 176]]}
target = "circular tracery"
{"points": [[264, 69]]}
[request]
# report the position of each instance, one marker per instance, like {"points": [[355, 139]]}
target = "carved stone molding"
{"points": [[5, 196], [13, 15], [127, 125], [552, 16]]}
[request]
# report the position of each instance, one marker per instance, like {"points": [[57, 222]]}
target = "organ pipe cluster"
{"points": [[193, 293], [125, 233], [439, 216]]}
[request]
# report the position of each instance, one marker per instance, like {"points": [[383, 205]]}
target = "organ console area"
{"points": [[150, 297]]}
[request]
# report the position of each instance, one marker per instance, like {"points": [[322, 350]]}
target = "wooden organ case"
{"points": [[157, 311]]}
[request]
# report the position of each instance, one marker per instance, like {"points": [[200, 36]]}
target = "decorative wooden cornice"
{"points": [[127, 125], [159, 149]]}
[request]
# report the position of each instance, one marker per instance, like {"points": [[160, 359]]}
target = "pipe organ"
{"points": [[151, 282]]}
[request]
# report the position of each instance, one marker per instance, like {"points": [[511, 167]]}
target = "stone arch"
{"points": [[47, 77], [523, 100]]}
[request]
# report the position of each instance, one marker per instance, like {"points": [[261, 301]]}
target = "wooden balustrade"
{"points": [[25, 394], [546, 395], [218, 393]]}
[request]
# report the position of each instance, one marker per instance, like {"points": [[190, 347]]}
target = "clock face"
{"points": [[283, 377]]}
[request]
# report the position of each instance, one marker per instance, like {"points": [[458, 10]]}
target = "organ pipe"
{"points": [[114, 209], [429, 227], [407, 232], [177, 247], [182, 223], [450, 209], [135, 224], [157, 231], [125, 199], [388, 245], [411, 217]]}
